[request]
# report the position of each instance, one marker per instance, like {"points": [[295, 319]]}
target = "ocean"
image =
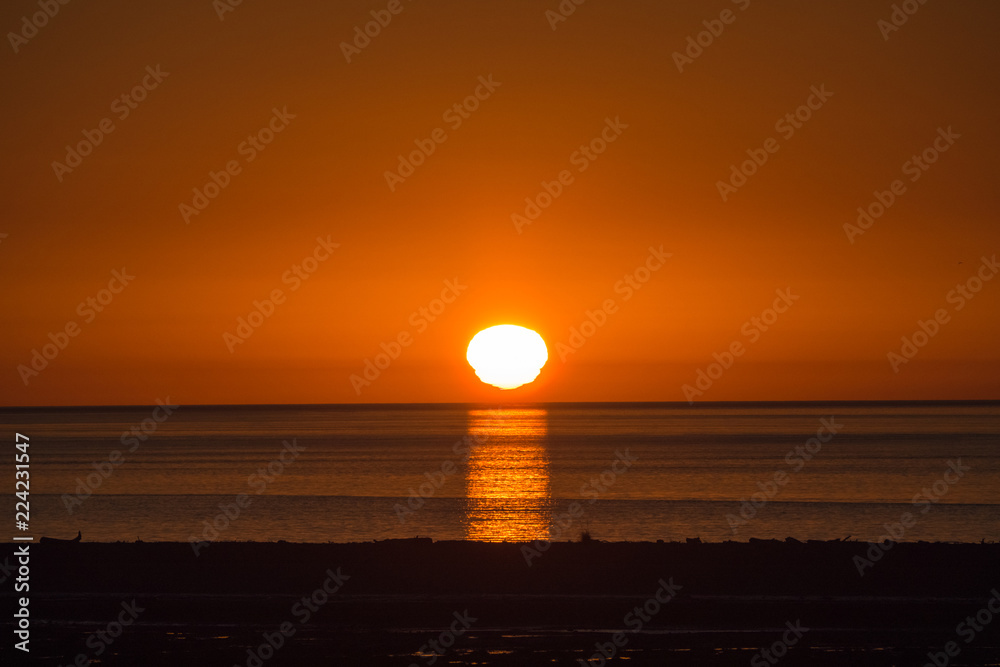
{"points": [[619, 472]]}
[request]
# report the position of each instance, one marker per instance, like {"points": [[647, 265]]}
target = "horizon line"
{"points": [[512, 404]]}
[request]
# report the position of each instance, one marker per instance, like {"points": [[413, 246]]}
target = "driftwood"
{"points": [[56, 540]]}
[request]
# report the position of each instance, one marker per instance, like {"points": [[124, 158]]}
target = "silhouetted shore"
{"points": [[379, 603]]}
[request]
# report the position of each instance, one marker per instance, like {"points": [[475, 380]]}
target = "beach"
{"points": [[384, 603]]}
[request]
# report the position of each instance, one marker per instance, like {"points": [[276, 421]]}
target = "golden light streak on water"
{"points": [[507, 478]]}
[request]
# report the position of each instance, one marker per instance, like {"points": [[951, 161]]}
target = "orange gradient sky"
{"points": [[553, 90]]}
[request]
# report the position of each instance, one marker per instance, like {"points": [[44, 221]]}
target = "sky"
{"points": [[668, 193]]}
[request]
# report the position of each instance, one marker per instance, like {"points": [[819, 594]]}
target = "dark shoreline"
{"points": [[732, 599]]}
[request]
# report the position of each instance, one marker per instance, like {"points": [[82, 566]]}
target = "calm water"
{"points": [[494, 474]]}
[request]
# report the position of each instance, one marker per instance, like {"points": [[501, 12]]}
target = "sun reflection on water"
{"points": [[507, 480]]}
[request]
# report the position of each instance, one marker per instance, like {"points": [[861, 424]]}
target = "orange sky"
{"points": [[340, 126]]}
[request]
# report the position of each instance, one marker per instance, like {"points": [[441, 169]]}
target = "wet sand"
{"points": [[379, 603]]}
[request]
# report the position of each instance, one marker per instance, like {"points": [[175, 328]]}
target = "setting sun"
{"points": [[507, 356]]}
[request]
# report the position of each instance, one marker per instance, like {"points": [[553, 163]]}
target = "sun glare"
{"points": [[507, 356]]}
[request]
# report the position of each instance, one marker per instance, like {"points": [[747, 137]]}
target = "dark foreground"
{"points": [[481, 604]]}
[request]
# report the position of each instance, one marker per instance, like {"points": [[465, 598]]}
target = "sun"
{"points": [[507, 356]]}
